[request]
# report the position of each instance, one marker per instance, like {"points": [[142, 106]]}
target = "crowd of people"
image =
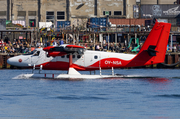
{"points": [[17, 46], [22, 46]]}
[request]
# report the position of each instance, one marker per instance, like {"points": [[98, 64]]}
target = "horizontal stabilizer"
{"points": [[151, 50]]}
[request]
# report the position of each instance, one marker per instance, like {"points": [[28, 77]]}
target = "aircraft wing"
{"points": [[74, 46], [64, 49]]}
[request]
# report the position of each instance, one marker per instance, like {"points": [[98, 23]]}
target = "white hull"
{"points": [[66, 76], [76, 77]]}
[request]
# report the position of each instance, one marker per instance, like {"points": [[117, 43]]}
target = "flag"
{"points": [[32, 23]]}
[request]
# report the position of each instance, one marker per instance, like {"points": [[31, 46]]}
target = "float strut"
{"points": [[34, 67], [71, 70], [112, 71]]}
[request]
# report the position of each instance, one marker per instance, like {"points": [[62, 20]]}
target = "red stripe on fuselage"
{"points": [[107, 63]]}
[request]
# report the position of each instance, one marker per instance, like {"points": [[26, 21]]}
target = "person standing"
{"points": [[1, 43], [104, 42], [54, 42], [47, 43], [61, 42]]}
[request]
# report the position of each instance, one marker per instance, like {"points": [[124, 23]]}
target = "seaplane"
{"points": [[75, 58]]}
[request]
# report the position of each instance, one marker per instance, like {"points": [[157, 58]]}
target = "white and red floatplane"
{"points": [[74, 58]]}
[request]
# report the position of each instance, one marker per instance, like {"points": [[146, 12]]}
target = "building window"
{"points": [[31, 13], [106, 12], [50, 15], [21, 13], [60, 15], [2, 13], [172, 21], [117, 12]]}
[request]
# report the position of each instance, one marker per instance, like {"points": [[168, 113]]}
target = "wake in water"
{"points": [[22, 76], [116, 77], [169, 96], [151, 75]]}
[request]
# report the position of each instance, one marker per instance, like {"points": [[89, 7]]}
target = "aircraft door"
{"points": [[81, 59], [93, 60], [88, 59]]}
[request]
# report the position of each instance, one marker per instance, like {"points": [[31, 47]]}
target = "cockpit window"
{"points": [[32, 52], [37, 53]]}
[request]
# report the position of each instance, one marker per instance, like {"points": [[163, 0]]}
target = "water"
{"points": [[127, 98]]}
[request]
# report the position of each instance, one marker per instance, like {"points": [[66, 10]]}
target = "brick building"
{"points": [[76, 11]]}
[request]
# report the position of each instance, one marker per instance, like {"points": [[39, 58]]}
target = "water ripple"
{"points": [[18, 95], [170, 96], [80, 98], [135, 92]]}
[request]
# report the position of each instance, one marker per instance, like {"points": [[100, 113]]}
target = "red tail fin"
{"points": [[154, 48]]}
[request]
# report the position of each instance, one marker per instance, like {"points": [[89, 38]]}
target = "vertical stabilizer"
{"points": [[154, 48]]}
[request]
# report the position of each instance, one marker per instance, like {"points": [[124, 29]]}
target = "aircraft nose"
{"points": [[19, 61], [11, 61]]}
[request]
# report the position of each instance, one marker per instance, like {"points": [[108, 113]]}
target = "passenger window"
{"points": [[73, 56], [95, 57], [67, 56], [62, 56], [47, 54], [79, 56], [37, 53]]}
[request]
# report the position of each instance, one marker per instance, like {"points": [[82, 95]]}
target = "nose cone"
{"points": [[11, 61], [18, 61]]}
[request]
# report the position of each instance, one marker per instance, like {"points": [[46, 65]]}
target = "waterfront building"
{"points": [[80, 12], [75, 11]]}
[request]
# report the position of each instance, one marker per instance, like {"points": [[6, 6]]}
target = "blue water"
{"points": [[125, 98]]}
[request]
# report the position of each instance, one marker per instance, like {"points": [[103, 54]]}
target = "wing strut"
{"points": [[71, 69]]}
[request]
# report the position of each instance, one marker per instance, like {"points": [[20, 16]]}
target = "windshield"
{"points": [[32, 52], [37, 53]]}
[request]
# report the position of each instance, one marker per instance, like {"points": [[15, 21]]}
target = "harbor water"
{"points": [[153, 94]]}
